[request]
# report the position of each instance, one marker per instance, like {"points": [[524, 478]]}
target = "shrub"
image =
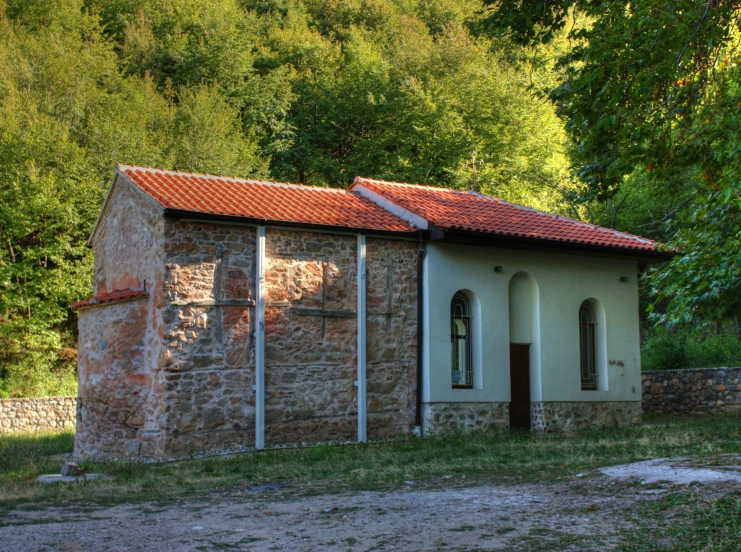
{"points": [[701, 346]]}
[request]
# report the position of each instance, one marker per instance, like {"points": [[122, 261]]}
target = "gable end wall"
{"points": [[119, 410]]}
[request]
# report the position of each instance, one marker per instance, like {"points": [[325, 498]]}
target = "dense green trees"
{"points": [[300, 90], [644, 103], [651, 92], [67, 112]]}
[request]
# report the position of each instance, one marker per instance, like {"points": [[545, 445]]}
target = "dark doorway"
{"points": [[519, 375]]}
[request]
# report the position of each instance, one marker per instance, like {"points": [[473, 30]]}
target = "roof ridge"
{"points": [[122, 168], [361, 179], [561, 217]]}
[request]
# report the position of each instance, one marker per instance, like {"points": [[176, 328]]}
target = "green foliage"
{"points": [[300, 90], [651, 89], [408, 96], [704, 282], [67, 112], [49, 194], [704, 346], [634, 80]]}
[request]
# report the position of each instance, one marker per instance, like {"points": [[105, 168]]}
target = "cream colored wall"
{"points": [[562, 282]]}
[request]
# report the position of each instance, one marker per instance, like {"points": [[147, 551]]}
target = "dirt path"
{"points": [[584, 512]]}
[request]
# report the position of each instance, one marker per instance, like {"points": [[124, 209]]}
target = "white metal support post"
{"points": [[260, 340], [362, 406]]}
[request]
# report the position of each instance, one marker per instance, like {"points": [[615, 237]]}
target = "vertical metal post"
{"points": [[421, 253], [362, 406], [260, 340]]}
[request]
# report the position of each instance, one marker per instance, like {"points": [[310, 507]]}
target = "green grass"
{"points": [[25, 455], [688, 522], [523, 456]]}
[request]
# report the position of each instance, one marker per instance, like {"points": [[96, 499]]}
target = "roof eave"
{"points": [[642, 256], [329, 228]]}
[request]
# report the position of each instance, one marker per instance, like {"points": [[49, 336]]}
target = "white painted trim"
{"points": [[260, 340], [426, 325], [390, 206], [361, 383]]}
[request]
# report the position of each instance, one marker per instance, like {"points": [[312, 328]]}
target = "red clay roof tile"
{"points": [[109, 297], [255, 199], [442, 207], [475, 212]]}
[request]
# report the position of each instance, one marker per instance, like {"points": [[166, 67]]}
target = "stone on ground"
{"points": [[71, 469]]}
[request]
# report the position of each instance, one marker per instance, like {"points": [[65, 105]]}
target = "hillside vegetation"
{"points": [[302, 91], [621, 114]]}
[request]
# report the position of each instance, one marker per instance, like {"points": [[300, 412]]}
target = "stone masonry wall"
{"points": [[700, 390], [120, 408], [310, 336], [569, 417], [391, 336], [114, 381], [208, 360], [37, 414], [310, 360]]}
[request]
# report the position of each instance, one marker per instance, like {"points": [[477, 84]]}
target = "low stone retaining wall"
{"points": [[37, 414], [699, 390]]}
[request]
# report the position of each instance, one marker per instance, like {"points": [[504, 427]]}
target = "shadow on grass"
{"points": [[28, 454]]}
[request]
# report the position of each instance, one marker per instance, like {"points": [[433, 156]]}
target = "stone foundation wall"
{"points": [[440, 418], [37, 414], [569, 417], [701, 390]]}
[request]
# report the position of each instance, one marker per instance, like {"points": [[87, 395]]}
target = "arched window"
{"points": [[460, 338], [587, 346]]}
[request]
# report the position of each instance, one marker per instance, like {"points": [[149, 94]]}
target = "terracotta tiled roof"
{"points": [[109, 297], [255, 199], [472, 211]]}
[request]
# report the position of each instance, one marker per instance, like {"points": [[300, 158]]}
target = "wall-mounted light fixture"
{"points": [[623, 278], [498, 269]]}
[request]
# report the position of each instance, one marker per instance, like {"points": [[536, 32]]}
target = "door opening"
{"points": [[519, 375]]}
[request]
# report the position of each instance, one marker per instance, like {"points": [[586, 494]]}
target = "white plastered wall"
{"points": [[563, 282]]}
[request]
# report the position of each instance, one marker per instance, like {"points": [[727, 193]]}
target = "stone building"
{"points": [[229, 313]]}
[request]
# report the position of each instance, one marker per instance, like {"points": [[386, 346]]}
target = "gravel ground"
{"points": [[445, 514], [676, 471]]}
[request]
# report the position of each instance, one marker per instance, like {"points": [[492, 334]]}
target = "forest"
{"points": [[620, 114]]}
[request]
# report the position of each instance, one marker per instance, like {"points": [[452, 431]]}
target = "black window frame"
{"points": [[588, 347], [460, 313]]}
